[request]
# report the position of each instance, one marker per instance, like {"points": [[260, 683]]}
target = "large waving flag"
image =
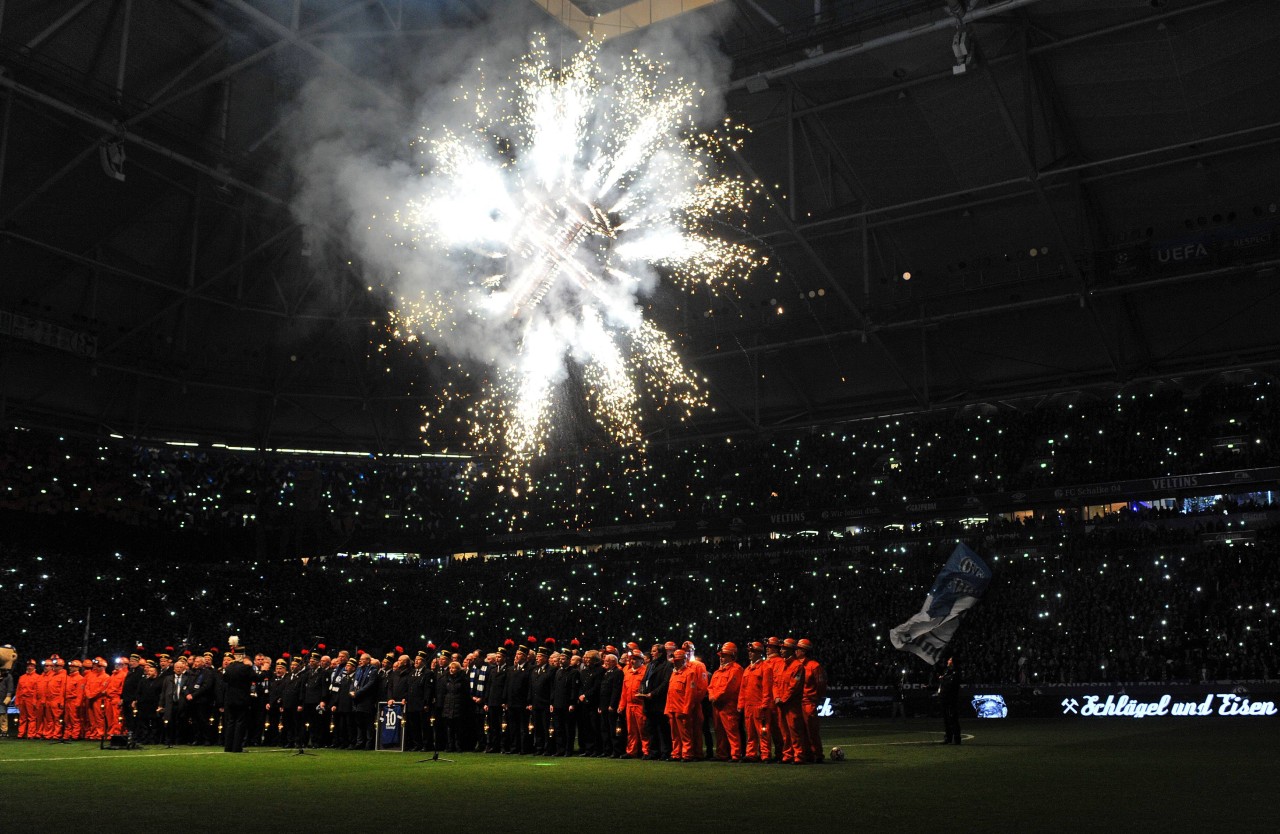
{"points": [[958, 588]]}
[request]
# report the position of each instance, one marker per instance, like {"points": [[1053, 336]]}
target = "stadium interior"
{"points": [[1018, 293]]}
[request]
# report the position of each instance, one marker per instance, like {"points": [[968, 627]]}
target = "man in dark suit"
{"points": [[129, 694], [290, 693], [364, 696], [518, 705], [653, 689], [238, 679], [314, 689], [275, 725], [564, 701], [203, 696], [175, 701], [541, 684], [495, 702], [259, 701], [610, 693], [591, 675], [415, 707]]}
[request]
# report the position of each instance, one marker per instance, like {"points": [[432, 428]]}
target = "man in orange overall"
{"points": [[754, 701], [696, 714], [682, 698], [772, 669], [815, 690], [114, 697], [24, 698], [95, 692], [726, 684], [788, 686], [633, 707], [55, 693], [73, 701]]}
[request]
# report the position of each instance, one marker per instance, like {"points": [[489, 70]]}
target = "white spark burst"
{"points": [[569, 191]]}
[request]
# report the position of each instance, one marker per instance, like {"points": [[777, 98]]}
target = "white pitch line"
{"points": [[963, 736], [134, 756]]}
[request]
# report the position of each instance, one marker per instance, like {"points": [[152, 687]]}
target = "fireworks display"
{"points": [[567, 194]]}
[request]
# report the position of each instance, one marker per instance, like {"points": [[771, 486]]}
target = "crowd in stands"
{"points": [[1140, 600], [1077, 439], [1157, 597]]}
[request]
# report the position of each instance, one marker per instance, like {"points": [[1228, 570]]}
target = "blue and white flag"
{"points": [[963, 580]]}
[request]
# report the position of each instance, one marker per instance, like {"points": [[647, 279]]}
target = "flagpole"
{"points": [[88, 614]]}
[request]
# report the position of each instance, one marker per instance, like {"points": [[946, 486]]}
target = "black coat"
{"points": [[147, 694], [169, 687], [398, 684], [238, 678], [564, 693], [416, 693], [343, 700], [542, 681], [129, 693], [202, 685], [364, 689], [496, 690], [290, 690], [656, 677], [440, 678], [457, 695], [276, 696], [610, 688], [315, 686], [518, 683], [590, 686]]}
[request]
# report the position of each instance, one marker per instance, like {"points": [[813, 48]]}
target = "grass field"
{"points": [[1122, 775]]}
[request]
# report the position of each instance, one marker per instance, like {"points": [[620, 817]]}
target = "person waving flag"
{"points": [[962, 582]]}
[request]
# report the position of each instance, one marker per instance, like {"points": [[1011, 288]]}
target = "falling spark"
{"points": [[568, 193]]}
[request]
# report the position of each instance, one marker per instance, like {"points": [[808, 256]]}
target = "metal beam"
{"points": [[837, 286], [193, 290], [1072, 299], [947, 74], [1055, 223], [124, 49], [248, 61], [55, 27], [1047, 174], [117, 130], [296, 38], [112, 269], [941, 24]]}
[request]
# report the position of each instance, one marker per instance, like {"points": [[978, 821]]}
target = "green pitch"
{"points": [[1121, 775]]}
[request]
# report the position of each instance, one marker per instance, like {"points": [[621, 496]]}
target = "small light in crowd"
{"points": [[906, 276]]}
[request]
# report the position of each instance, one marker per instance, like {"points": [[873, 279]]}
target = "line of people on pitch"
{"points": [[665, 706]]}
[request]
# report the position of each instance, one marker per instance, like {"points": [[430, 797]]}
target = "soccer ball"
{"points": [[837, 754]]}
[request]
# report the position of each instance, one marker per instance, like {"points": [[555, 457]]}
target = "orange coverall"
{"points": [[633, 710], [682, 698], [788, 684], [73, 703], [95, 690], [815, 691], [55, 694], [754, 701], [772, 669], [115, 691], [695, 712], [25, 698], [726, 682]]}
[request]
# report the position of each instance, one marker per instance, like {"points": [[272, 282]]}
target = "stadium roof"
{"points": [[1083, 192]]}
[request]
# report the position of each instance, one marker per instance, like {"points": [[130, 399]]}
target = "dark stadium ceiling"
{"points": [[1087, 200]]}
